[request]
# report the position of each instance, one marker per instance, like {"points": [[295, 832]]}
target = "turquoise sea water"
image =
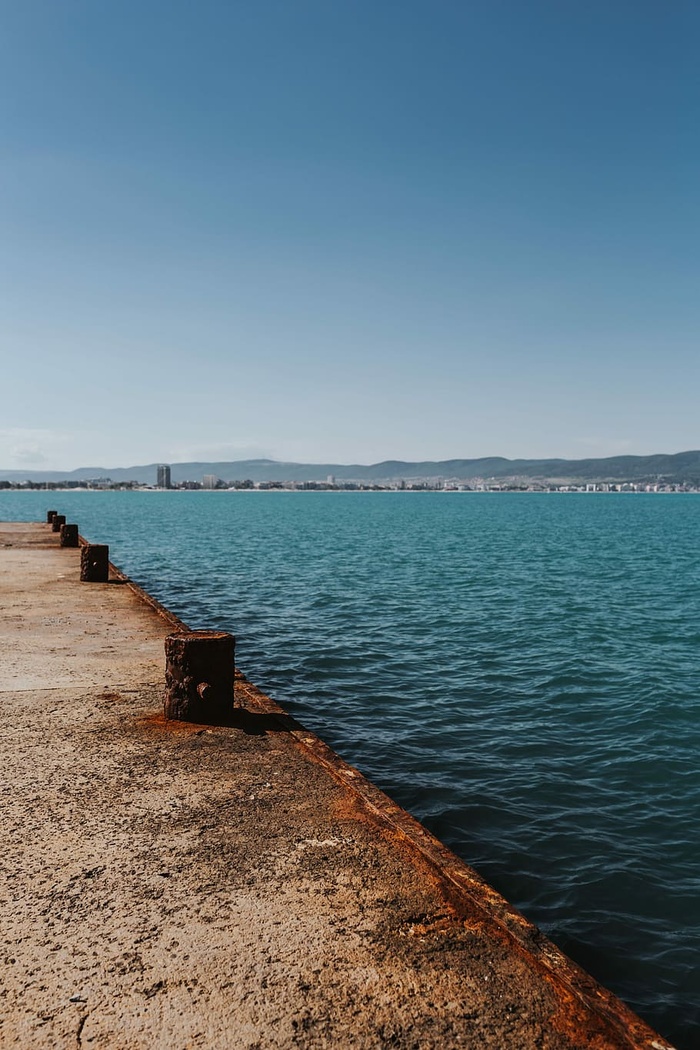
{"points": [[520, 671]]}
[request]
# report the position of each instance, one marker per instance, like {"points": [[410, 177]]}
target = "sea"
{"points": [[521, 671]]}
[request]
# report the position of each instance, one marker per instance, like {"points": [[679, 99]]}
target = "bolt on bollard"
{"points": [[50, 514], [94, 563], [69, 535], [57, 521], [199, 676]]}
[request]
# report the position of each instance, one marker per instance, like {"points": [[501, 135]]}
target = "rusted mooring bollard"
{"points": [[50, 514], [69, 535], [57, 521], [94, 563], [199, 670]]}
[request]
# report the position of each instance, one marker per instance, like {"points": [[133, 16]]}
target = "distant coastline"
{"points": [[678, 472]]}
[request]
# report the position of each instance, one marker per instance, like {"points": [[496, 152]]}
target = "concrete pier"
{"points": [[173, 885]]}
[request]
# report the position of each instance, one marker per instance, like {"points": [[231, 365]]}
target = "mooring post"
{"points": [[199, 672], [50, 514], [69, 535], [94, 563], [57, 521]]}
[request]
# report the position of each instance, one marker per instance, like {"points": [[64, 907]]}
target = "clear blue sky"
{"points": [[347, 231]]}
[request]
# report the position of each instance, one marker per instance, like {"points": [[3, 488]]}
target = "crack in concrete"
{"points": [[81, 1025]]}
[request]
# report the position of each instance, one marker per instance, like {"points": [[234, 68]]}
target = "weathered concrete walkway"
{"points": [[168, 886]]}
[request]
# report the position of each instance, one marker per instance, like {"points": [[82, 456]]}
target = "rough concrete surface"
{"points": [[173, 885]]}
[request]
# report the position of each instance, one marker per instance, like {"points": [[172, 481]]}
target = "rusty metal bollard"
{"points": [[199, 671], [50, 514], [94, 563], [69, 535], [57, 521]]}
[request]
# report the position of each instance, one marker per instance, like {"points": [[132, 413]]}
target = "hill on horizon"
{"points": [[677, 467]]}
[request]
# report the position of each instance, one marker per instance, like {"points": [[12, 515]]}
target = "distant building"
{"points": [[210, 481], [164, 476]]}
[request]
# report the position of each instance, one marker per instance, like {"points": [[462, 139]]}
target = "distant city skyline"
{"points": [[347, 233], [679, 469]]}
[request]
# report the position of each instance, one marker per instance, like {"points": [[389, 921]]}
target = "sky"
{"points": [[347, 230]]}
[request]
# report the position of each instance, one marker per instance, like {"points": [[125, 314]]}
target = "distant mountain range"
{"points": [[680, 467]]}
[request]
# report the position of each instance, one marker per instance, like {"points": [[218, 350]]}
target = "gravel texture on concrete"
{"points": [[168, 885]]}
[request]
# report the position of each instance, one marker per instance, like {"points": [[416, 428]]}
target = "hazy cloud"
{"points": [[28, 456], [22, 447]]}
